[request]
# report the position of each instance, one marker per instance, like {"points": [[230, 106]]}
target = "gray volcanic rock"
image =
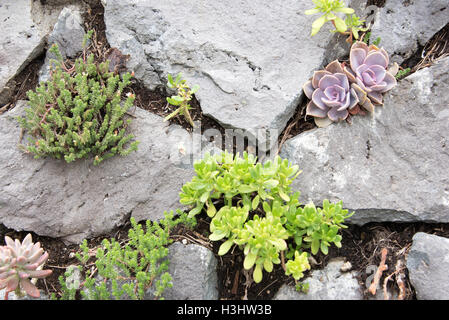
{"points": [[404, 25], [68, 34], [390, 167], [326, 284], [20, 43], [250, 59], [193, 269], [78, 200], [428, 265]]}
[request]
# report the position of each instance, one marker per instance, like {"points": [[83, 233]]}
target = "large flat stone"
{"points": [[250, 59], [404, 25], [428, 264], [77, 200], [21, 42], [390, 167]]}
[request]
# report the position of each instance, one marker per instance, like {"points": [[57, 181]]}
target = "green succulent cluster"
{"points": [[126, 270], [329, 10], [251, 205], [79, 111]]}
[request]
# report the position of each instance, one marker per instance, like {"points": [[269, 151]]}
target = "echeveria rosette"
{"points": [[368, 73], [331, 96]]}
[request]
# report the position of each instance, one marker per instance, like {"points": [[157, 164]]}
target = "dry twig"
{"points": [[400, 280], [382, 267]]}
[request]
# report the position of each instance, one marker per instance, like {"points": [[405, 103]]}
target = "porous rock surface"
{"points": [[68, 34], [250, 59], [404, 25], [21, 42], [388, 167], [78, 200], [193, 269], [428, 265], [326, 284]]}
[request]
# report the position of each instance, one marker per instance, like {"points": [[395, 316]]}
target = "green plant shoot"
{"points": [[181, 100]]}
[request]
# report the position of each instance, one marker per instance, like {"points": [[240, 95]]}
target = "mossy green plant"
{"points": [[79, 111], [126, 269]]}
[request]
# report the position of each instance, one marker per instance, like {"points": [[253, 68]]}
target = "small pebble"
{"points": [[184, 241], [346, 266], [312, 261]]}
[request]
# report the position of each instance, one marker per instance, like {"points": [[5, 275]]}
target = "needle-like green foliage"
{"points": [[126, 270], [79, 112]]}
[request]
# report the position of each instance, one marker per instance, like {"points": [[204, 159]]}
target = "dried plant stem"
{"points": [[283, 261], [400, 280], [382, 267], [399, 276]]}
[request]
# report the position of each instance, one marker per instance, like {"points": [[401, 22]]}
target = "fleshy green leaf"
{"points": [[345, 10], [340, 25], [249, 261], [255, 202], [257, 274], [311, 11], [217, 236], [315, 246], [225, 246], [283, 195], [317, 24]]}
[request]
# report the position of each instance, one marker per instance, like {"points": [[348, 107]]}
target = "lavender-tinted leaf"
{"points": [[328, 80], [336, 115], [313, 110], [317, 75], [376, 58]]}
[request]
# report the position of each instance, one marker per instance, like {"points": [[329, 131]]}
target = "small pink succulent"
{"points": [[20, 261], [331, 95], [369, 72]]}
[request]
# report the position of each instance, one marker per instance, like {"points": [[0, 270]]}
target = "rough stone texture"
{"points": [[250, 59], [68, 34], [326, 284], [20, 43], [389, 167], [428, 265], [403, 25], [78, 200], [12, 296], [193, 269], [45, 13]]}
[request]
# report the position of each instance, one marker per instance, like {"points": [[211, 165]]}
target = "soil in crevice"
{"points": [[27, 79], [436, 48], [361, 246]]}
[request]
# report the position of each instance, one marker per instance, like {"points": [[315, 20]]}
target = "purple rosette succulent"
{"points": [[368, 73], [331, 96]]}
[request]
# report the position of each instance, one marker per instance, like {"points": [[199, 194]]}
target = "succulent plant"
{"points": [[329, 9], [368, 73], [330, 94], [20, 261]]}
